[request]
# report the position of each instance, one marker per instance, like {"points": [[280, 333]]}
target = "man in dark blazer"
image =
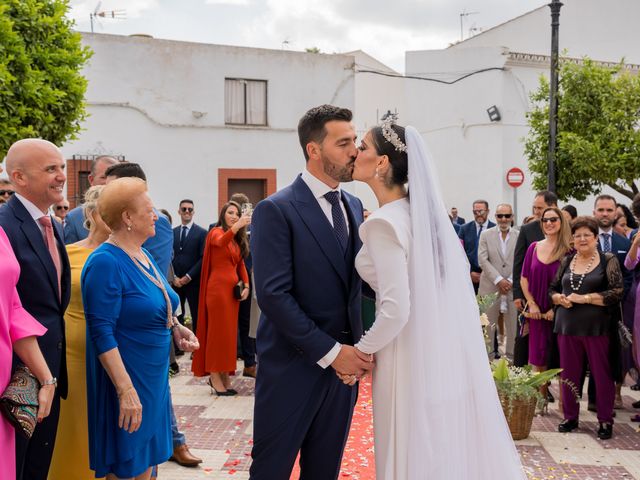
{"points": [[188, 248], [455, 219], [529, 233], [36, 169], [303, 240], [470, 234]]}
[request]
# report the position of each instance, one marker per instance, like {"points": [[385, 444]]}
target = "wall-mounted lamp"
{"points": [[494, 113]]}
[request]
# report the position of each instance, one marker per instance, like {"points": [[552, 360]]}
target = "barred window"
{"points": [[245, 101]]}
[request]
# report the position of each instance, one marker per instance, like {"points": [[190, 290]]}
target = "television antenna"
{"points": [[463, 16], [114, 14], [285, 43]]}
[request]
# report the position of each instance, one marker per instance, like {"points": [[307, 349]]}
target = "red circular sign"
{"points": [[515, 177]]}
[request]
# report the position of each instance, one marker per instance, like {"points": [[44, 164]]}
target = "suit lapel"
{"points": [[35, 238], [354, 225], [314, 218], [65, 279]]}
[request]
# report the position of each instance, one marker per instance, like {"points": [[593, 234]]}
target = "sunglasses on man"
{"points": [[6, 192], [186, 209], [62, 207], [504, 215]]}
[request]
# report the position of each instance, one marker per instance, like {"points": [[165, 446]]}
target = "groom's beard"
{"points": [[338, 172]]}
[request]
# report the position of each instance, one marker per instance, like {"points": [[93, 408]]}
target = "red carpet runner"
{"points": [[358, 461]]}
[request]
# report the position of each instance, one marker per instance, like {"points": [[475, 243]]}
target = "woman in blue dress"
{"points": [[129, 310]]}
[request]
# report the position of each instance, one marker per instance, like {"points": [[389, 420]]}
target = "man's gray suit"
{"points": [[495, 267]]}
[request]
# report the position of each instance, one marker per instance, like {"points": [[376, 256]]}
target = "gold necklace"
{"points": [[155, 279]]}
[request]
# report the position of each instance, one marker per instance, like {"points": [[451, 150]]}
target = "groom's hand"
{"points": [[349, 362]]}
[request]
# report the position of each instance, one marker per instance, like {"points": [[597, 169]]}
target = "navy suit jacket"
{"points": [[307, 291], [188, 260], [74, 229], [469, 236], [620, 247], [38, 285]]}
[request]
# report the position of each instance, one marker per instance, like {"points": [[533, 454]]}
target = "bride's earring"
{"points": [[377, 172]]}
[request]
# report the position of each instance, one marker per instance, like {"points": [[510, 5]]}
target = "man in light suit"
{"points": [[303, 240], [495, 255], [36, 169], [470, 232]]}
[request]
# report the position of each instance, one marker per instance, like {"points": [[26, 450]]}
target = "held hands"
{"points": [[504, 286], [45, 399], [185, 339], [130, 409], [351, 364], [534, 311], [580, 299], [564, 301]]}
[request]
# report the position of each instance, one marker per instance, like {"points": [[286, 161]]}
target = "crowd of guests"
{"points": [[566, 288], [113, 294], [94, 300]]}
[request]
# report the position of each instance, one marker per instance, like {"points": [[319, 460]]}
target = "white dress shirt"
{"points": [[34, 211], [318, 189]]}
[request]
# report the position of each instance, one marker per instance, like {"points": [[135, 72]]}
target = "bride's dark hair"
{"points": [[399, 160]]}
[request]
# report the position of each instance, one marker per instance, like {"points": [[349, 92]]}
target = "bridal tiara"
{"points": [[390, 134]]}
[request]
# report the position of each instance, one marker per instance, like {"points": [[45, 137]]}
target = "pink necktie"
{"points": [[50, 240]]}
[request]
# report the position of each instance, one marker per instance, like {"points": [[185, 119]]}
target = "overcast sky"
{"points": [[383, 28]]}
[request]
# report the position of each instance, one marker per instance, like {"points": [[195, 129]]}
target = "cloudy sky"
{"points": [[382, 28]]}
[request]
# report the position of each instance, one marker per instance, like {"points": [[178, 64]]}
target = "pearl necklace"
{"points": [[582, 275]]}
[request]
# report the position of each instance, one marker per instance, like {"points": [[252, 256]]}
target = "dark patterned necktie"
{"points": [[339, 223], [606, 243]]}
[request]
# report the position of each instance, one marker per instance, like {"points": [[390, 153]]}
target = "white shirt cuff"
{"points": [[329, 358], [498, 279]]}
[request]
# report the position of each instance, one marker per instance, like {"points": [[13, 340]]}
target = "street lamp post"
{"points": [[555, 6]]}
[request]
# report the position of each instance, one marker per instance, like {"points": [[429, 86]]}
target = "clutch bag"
{"points": [[19, 402], [237, 290]]}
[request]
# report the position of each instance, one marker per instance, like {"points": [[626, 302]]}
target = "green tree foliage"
{"points": [[41, 88], [598, 131]]}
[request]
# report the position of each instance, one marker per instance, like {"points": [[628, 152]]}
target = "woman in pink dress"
{"points": [[18, 331]]}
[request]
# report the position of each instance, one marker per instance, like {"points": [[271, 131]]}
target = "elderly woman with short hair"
{"points": [[129, 308], [587, 289]]}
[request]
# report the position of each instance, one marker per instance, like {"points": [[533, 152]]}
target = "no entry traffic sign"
{"points": [[515, 177]]}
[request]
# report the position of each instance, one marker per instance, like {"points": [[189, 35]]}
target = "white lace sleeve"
{"points": [[389, 258]]}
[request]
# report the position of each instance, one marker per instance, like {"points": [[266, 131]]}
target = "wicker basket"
{"points": [[519, 414]]}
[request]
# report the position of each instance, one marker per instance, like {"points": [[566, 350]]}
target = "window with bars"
{"points": [[245, 101]]}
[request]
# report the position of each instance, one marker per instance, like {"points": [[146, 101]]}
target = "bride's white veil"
{"points": [[458, 430]]}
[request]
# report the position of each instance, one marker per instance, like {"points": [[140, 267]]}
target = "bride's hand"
{"points": [[347, 379]]}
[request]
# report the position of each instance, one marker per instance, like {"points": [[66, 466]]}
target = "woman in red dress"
{"points": [[222, 268]]}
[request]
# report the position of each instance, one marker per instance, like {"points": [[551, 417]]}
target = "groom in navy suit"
{"points": [[303, 240], [36, 169]]}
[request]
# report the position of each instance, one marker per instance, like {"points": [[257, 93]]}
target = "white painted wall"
{"points": [[143, 92]]}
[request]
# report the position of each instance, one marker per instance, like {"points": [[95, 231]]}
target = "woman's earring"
{"points": [[377, 172], [128, 228]]}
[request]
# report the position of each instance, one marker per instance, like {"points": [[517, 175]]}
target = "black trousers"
{"points": [[189, 293], [246, 344], [33, 456]]}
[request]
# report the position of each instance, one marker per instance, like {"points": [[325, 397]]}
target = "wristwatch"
{"points": [[52, 381]]}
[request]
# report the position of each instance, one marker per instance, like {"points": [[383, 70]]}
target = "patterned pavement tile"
{"points": [[219, 430]]}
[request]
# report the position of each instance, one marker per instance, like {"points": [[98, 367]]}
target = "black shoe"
{"points": [[568, 426], [636, 404], [550, 398], [605, 431], [229, 392], [179, 353], [174, 369]]}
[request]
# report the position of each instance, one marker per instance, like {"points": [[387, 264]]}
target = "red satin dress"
{"points": [[217, 332]]}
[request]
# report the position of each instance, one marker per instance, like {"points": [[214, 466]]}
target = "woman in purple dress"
{"points": [[538, 270]]}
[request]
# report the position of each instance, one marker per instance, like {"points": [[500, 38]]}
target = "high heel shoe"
{"points": [[226, 393]]}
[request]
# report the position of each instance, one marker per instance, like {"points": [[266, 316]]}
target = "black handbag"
{"points": [[19, 402], [237, 290]]}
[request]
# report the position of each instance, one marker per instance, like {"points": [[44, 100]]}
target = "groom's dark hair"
{"points": [[311, 125]]}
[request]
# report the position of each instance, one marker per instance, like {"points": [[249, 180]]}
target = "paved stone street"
{"points": [[219, 429]]}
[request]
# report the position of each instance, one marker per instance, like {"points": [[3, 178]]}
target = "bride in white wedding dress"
{"points": [[436, 411]]}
